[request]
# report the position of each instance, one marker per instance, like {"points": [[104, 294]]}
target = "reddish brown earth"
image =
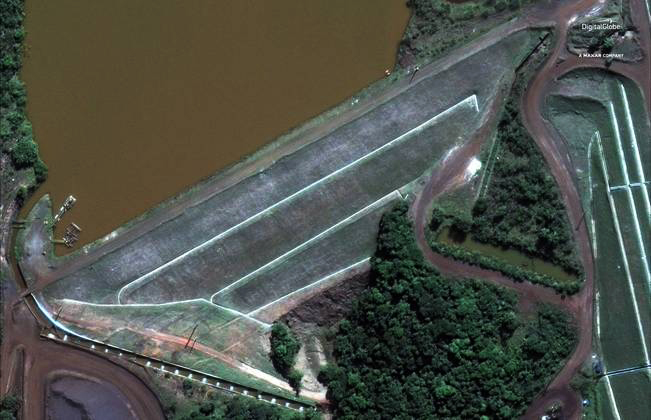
{"points": [[43, 358]]}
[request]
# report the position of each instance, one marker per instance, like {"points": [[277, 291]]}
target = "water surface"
{"points": [[133, 101], [510, 256]]}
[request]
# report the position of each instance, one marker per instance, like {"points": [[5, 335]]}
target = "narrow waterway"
{"points": [[510, 256], [133, 101]]}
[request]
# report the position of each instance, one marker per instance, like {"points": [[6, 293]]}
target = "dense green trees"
{"points": [[417, 345], [9, 406], [284, 348], [462, 226], [15, 130], [522, 207], [238, 408], [197, 402], [437, 26]]}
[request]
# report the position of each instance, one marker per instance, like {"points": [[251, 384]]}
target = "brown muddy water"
{"points": [[133, 101], [70, 397], [510, 256]]}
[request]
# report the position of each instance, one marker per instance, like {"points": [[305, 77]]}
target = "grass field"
{"points": [[307, 214], [348, 246], [620, 336], [605, 401], [631, 393]]}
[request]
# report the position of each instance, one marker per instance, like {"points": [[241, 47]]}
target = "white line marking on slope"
{"points": [[471, 99], [592, 223], [638, 160], [598, 314], [57, 323], [622, 250], [350, 267], [629, 193], [611, 397], [352, 218]]}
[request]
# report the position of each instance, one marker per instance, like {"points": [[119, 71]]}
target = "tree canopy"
{"points": [[418, 345], [15, 130]]}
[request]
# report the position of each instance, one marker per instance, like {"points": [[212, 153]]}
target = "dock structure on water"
{"points": [[67, 205], [71, 235]]}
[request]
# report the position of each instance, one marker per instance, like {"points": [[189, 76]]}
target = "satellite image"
{"points": [[325, 209]]}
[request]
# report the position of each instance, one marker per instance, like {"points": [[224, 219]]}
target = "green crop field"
{"points": [[592, 108], [620, 338], [632, 393]]}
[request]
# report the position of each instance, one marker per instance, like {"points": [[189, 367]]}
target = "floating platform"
{"points": [[67, 205]]}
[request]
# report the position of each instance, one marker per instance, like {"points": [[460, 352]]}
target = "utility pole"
{"points": [[414, 73], [578, 225], [193, 343], [56, 318], [191, 334]]}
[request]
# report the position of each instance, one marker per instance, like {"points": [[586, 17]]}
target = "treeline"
{"points": [[9, 407], [15, 130], [437, 26], [522, 207], [284, 349], [196, 402], [417, 345], [441, 219]]}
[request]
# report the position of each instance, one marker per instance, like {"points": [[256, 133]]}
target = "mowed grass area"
{"points": [[605, 409], [195, 360], [632, 393], [620, 337], [348, 246], [125, 326], [580, 109], [307, 215], [176, 318]]}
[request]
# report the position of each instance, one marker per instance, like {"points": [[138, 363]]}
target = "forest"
{"points": [[15, 130], [284, 349], [522, 207], [198, 402], [460, 227], [418, 345]]}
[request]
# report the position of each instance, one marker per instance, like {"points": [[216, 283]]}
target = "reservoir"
{"points": [[133, 101]]}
